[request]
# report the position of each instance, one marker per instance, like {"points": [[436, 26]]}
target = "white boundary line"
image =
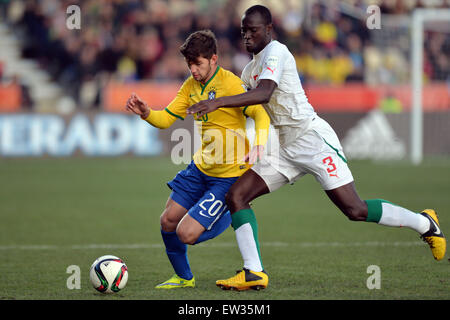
{"points": [[212, 245]]}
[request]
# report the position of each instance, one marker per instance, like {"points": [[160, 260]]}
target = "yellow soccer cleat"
{"points": [[434, 237], [176, 282], [245, 279]]}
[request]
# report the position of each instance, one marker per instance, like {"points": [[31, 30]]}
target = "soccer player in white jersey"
{"points": [[307, 144]]}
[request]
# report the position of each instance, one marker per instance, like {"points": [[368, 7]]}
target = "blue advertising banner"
{"points": [[102, 134]]}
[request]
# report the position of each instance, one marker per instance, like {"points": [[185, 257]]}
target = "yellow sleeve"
{"points": [[262, 122], [179, 105], [160, 119]]}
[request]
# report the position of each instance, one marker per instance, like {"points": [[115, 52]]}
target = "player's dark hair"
{"points": [[263, 11], [201, 43]]}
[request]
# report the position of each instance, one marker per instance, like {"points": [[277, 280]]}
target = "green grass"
{"points": [[58, 212]]}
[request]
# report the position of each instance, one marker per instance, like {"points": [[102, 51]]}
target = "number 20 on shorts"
{"points": [[214, 205]]}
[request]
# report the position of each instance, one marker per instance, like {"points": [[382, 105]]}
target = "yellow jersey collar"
{"points": [[210, 79]]}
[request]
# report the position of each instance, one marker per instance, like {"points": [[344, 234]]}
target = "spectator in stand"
{"points": [[354, 47]]}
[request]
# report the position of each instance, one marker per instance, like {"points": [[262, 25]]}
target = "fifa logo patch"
{"points": [[211, 95], [272, 62]]}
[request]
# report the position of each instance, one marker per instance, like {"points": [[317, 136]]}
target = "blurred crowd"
{"points": [[130, 40]]}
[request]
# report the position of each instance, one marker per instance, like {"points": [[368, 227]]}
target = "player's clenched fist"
{"points": [[138, 106]]}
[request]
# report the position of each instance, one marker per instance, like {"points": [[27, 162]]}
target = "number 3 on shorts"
{"points": [[329, 162]]}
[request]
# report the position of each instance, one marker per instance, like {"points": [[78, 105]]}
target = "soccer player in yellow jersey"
{"points": [[196, 209]]}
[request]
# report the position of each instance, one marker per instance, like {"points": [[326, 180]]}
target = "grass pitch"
{"points": [[61, 212]]}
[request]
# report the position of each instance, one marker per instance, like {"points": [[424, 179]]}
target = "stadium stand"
{"points": [[130, 40]]}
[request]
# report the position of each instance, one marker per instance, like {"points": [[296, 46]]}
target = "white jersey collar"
{"points": [[255, 56]]}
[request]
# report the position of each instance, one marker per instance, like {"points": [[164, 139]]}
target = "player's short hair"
{"points": [[262, 10], [201, 43]]}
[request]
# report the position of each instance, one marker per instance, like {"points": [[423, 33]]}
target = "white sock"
{"points": [[248, 247], [395, 216]]}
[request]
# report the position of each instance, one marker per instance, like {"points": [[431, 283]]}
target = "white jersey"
{"points": [[289, 110], [307, 143]]}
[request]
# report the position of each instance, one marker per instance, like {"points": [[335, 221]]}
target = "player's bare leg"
{"points": [[189, 230], [248, 187], [171, 216], [385, 213], [348, 201]]}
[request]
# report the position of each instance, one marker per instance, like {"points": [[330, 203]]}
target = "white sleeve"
{"points": [[273, 64], [245, 77]]}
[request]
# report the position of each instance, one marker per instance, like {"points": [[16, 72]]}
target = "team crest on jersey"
{"points": [[211, 95]]}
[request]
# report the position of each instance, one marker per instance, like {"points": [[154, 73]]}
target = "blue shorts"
{"points": [[202, 195]]}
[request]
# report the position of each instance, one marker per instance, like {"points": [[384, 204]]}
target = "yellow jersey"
{"points": [[224, 143]]}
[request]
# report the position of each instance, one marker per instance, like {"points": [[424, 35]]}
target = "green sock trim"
{"points": [[375, 209], [242, 217]]}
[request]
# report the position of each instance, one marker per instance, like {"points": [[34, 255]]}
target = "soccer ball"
{"points": [[108, 274]]}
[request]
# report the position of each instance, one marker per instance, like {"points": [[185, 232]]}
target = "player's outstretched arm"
{"points": [[261, 94], [157, 118]]}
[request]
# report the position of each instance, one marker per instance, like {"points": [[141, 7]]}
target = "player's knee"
{"points": [[234, 199], [187, 236], [356, 213], [168, 224]]}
